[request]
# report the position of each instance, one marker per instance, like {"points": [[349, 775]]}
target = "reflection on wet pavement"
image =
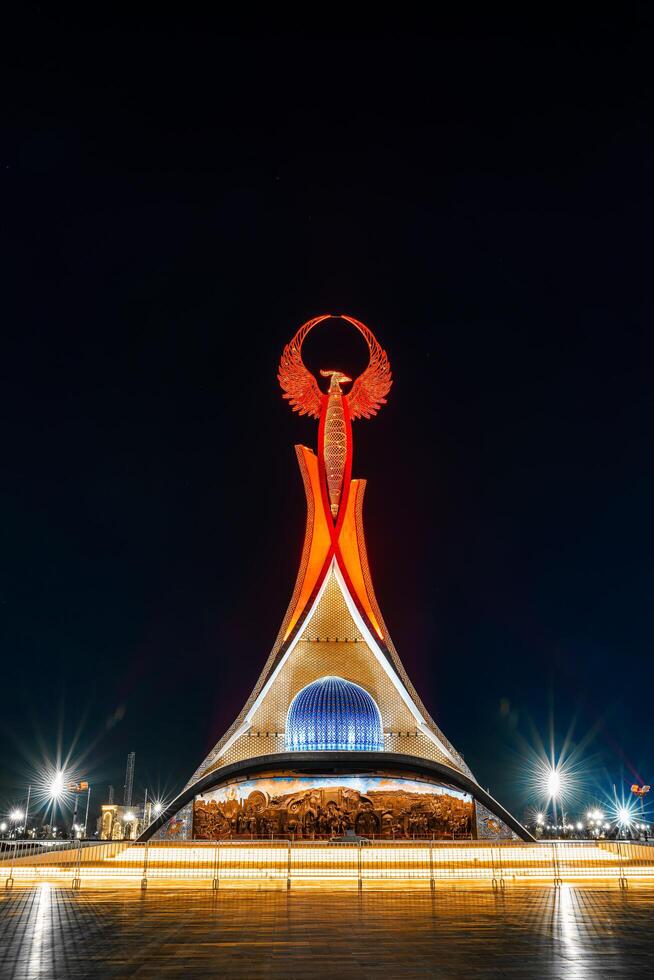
{"points": [[523, 932]]}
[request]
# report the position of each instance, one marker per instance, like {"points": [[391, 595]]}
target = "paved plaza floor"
{"points": [[525, 931]]}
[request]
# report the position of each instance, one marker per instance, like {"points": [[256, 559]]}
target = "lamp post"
{"points": [[27, 810], [86, 815], [553, 784], [640, 792], [76, 789]]}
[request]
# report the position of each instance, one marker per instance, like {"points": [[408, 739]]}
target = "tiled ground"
{"points": [[527, 932]]}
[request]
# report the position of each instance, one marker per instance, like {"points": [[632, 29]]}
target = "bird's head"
{"points": [[337, 378]]}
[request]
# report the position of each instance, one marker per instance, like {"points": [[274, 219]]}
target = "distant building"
{"points": [[120, 822], [123, 821]]}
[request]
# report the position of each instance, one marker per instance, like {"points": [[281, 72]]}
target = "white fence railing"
{"points": [[361, 861]]}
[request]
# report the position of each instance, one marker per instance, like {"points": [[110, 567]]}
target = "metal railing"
{"points": [[285, 861]]}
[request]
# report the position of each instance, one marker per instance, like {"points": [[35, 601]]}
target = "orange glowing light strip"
{"points": [[320, 540]]}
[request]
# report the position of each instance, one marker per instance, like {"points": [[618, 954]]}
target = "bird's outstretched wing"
{"points": [[368, 393], [299, 385]]}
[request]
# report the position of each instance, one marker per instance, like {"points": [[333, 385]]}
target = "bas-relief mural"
{"points": [[324, 807]]}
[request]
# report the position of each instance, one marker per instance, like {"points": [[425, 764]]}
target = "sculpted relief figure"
{"points": [[389, 814]]}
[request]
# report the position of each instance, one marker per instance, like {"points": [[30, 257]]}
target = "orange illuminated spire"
{"points": [[336, 431], [333, 498]]}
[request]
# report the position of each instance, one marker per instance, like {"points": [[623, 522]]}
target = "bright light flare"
{"points": [[624, 812], [158, 807], [50, 791], [553, 781], [555, 771], [16, 816], [57, 785], [624, 816], [553, 784]]}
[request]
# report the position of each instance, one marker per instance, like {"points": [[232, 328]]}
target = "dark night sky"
{"points": [[176, 200]]}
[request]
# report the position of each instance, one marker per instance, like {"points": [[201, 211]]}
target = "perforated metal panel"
{"points": [[331, 644], [333, 715]]}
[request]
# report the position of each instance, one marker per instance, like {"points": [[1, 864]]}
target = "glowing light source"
{"points": [[51, 788], [128, 817], [555, 775], [553, 784], [624, 816], [623, 812], [57, 785], [16, 815]]}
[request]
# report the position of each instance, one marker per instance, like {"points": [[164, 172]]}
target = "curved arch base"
{"points": [[489, 816]]}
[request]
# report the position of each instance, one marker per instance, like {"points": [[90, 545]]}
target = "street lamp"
{"points": [[625, 816], [156, 809], [623, 813], [57, 785], [553, 783], [76, 789], [50, 788], [16, 816]]}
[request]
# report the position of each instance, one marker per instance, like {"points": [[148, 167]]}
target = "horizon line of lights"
{"points": [[623, 815], [551, 779]]}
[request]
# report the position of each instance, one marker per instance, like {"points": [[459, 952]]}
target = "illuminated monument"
{"points": [[333, 739]]}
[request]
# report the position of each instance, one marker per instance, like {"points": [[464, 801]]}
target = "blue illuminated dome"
{"points": [[333, 715]]}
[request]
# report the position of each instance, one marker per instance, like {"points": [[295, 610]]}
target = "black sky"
{"points": [[176, 199]]}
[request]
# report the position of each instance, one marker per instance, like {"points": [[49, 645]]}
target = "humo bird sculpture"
{"points": [[334, 409]]}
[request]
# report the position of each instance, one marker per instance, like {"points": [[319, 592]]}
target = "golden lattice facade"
{"points": [[330, 643]]}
